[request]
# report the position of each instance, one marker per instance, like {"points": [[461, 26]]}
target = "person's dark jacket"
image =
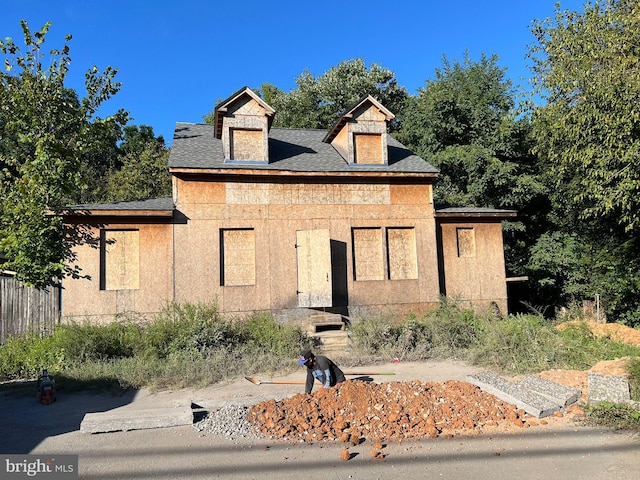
{"points": [[324, 371]]}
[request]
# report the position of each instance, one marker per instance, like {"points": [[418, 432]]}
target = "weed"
{"points": [[614, 415]]}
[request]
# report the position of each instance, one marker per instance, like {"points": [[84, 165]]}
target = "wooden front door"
{"points": [[313, 249]]}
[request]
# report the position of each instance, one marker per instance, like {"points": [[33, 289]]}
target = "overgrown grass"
{"points": [[187, 345], [514, 345]]}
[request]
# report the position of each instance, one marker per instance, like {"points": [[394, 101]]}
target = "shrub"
{"points": [[452, 328], [373, 336], [263, 334], [193, 328], [517, 344], [85, 342], [27, 355]]}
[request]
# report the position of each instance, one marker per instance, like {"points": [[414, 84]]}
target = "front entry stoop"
{"points": [[329, 331]]}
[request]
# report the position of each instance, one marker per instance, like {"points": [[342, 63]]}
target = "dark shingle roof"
{"points": [[473, 212], [154, 204], [290, 149]]}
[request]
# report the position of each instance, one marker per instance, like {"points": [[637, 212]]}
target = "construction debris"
{"points": [[391, 411], [125, 419], [536, 396]]}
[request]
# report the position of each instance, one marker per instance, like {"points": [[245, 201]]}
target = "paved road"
{"points": [[572, 452]]}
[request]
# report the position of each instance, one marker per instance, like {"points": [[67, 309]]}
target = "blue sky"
{"points": [[176, 58]]}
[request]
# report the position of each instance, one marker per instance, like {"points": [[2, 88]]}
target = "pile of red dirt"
{"points": [[393, 411]]}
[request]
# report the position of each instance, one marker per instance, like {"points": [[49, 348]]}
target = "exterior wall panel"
{"points": [[83, 297], [477, 279]]}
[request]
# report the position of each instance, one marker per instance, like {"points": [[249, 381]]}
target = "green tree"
{"points": [[465, 122], [587, 135], [96, 163], [45, 132], [318, 102], [111, 174], [139, 138], [468, 103], [587, 68], [144, 173]]}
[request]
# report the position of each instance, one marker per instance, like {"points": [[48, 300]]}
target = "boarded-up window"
{"points": [[120, 251], [368, 148], [246, 144], [238, 250], [466, 242], [368, 254], [403, 262]]}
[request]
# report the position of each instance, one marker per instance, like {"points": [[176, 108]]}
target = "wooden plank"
{"points": [[247, 144], [466, 242], [239, 257], [122, 258], [368, 251], [368, 148], [313, 249], [403, 259]]}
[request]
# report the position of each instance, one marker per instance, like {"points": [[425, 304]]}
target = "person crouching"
{"points": [[320, 368]]}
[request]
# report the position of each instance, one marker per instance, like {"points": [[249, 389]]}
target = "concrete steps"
{"points": [[332, 341], [329, 331]]}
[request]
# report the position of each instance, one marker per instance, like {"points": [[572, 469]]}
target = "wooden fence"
{"points": [[24, 309]]}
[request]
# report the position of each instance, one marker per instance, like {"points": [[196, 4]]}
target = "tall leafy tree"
{"points": [[587, 69], [139, 138], [465, 122], [96, 163], [45, 132], [467, 103], [144, 173], [318, 101]]}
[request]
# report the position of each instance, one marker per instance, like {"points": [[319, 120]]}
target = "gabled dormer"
{"points": [[360, 135], [242, 122]]}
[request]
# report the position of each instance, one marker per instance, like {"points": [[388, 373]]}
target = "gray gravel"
{"points": [[229, 421]]}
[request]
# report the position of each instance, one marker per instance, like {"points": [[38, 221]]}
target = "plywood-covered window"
{"points": [[368, 148], [466, 238], [246, 144], [368, 254], [120, 260], [238, 251], [401, 250]]}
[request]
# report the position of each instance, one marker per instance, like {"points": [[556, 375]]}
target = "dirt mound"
{"points": [[391, 411], [614, 331]]}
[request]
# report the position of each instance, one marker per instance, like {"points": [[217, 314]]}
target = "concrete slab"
{"points": [[125, 419], [557, 392], [608, 388], [531, 402]]}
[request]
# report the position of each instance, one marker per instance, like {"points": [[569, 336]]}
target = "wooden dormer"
{"points": [[242, 122], [360, 135]]}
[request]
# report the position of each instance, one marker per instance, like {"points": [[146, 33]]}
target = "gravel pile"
{"points": [[229, 421]]}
